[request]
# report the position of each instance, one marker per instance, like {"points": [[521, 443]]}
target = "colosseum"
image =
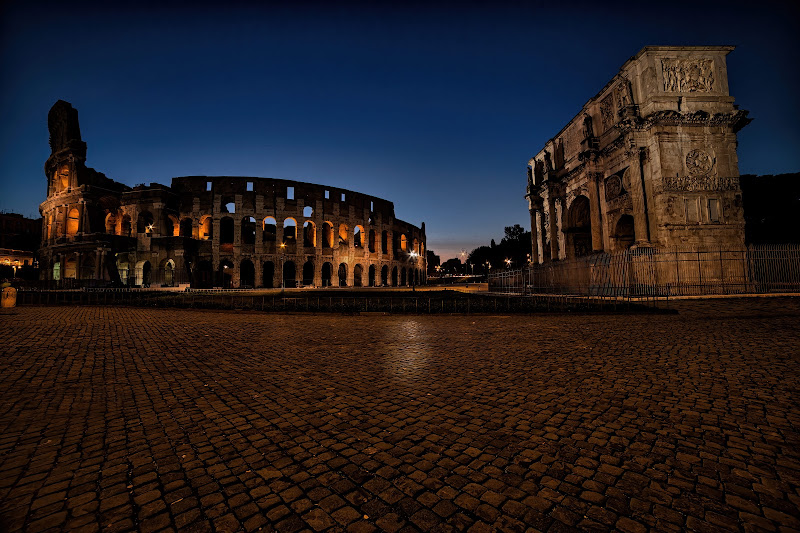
{"points": [[220, 231]]}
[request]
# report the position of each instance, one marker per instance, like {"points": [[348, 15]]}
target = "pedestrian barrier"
{"points": [[660, 273]]}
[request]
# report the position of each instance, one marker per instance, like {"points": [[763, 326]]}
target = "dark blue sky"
{"points": [[437, 109]]}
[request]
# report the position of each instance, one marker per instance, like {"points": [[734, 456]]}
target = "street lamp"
{"points": [[283, 266], [413, 277], [508, 263]]}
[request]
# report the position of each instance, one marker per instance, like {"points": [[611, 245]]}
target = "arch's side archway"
{"points": [[579, 228], [624, 233]]}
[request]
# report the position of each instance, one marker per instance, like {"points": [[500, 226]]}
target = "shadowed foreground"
{"points": [[121, 419]]}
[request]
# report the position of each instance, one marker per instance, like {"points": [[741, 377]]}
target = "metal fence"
{"points": [[660, 273], [460, 303]]}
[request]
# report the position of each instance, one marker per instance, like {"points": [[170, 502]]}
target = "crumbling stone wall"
{"points": [[216, 231]]}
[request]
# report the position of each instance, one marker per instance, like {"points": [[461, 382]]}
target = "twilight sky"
{"points": [[436, 108]]}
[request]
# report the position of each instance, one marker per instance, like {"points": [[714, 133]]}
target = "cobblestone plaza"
{"points": [[120, 419]]}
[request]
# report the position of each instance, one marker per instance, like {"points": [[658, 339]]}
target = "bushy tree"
{"points": [[514, 246]]}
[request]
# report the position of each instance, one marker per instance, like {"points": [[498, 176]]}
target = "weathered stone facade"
{"points": [[650, 161], [215, 231]]}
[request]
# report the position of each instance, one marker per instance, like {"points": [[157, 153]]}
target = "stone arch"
{"points": [[226, 272], [579, 228], [394, 277], [385, 242], [73, 221], [63, 173], [186, 228], [403, 243], [247, 272], [111, 223], [308, 211], [343, 235], [371, 276], [624, 233], [145, 223], [268, 275], [358, 236], [143, 273], [327, 235], [226, 234], [358, 273], [228, 205], [309, 234], [289, 274], [415, 247], [270, 229], [206, 230], [86, 265], [248, 230], [289, 229], [372, 240], [123, 267], [308, 273], [343, 274], [167, 271], [384, 276], [70, 270], [172, 225], [327, 274], [126, 225], [403, 279]]}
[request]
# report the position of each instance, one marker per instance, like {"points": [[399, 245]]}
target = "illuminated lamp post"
{"points": [[508, 263], [283, 266], [413, 256]]}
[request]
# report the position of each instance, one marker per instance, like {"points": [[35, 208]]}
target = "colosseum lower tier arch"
{"points": [[216, 231]]}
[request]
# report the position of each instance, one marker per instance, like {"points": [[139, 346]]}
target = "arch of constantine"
{"points": [[221, 231], [650, 161]]}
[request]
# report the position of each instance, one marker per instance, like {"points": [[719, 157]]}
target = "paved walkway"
{"points": [[119, 419]]}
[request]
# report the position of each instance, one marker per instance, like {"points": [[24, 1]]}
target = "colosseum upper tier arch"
{"points": [[215, 231]]}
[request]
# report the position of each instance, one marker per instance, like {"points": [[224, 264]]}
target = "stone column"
{"points": [[594, 210], [82, 216], [554, 227], [638, 199], [532, 211], [560, 213]]}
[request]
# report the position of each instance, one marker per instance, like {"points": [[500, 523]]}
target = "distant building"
{"points": [[218, 231], [650, 161], [19, 240]]}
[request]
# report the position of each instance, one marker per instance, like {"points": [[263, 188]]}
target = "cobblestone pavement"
{"points": [[120, 419]]}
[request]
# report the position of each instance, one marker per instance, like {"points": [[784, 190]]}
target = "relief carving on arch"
{"points": [[688, 75], [607, 110]]}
